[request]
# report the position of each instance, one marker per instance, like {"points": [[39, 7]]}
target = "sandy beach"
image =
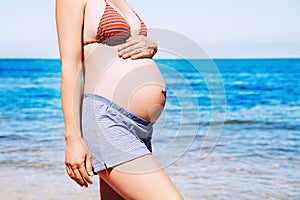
{"points": [[37, 184]]}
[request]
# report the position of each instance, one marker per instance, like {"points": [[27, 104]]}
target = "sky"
{"points": [[223, 28]]}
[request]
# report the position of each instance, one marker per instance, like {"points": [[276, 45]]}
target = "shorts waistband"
{"points": [[119, 108]]}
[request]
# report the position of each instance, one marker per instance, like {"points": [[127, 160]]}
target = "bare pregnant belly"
{"points": [[136, 85]]}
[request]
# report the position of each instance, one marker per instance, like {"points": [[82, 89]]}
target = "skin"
{"points": [[141, 178], [138, 47]]}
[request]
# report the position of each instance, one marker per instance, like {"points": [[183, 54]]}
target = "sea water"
{"points": [[249, 110]]}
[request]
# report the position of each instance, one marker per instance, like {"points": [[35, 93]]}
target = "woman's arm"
{"points": [[69, 20]]}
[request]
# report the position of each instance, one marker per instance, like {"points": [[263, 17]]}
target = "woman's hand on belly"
{"points": [[137, 47]]}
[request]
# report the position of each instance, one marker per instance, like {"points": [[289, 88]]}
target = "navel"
{"points": [[164, 91]]}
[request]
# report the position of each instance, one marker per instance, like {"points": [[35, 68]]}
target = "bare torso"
{"points": [[136, 85]]}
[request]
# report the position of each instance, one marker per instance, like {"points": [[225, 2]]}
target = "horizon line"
{"points": [[213, 58]]}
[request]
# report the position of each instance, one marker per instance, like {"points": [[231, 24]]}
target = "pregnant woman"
{"points": [[108, 125]]}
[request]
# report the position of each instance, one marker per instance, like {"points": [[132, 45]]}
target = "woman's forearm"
{"points": [[71, 94], [69, 22]]}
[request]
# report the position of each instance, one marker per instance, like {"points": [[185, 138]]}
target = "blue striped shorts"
{"points": [[112, 134]]}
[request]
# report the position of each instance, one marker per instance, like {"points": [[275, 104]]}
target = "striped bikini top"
{"points": [[113, 29]]}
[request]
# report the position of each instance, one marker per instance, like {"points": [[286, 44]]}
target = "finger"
{"points": [[130, 54], [85, 175], [131, 41], [142, 54], [137, 56], [130, 49], [70, 171], [127, 44], [88, 165], [78, 178]]}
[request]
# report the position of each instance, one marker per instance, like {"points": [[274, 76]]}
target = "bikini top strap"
{"points": [[106, 2]]}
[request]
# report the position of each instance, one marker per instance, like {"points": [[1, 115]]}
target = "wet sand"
{"points": [[37, 184]]}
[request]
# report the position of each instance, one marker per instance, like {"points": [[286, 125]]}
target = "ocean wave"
{"points": [[28, 164], [15, 137]]}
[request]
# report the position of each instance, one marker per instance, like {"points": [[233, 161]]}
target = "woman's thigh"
{"points": [[107, 193], [141, 178]]}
